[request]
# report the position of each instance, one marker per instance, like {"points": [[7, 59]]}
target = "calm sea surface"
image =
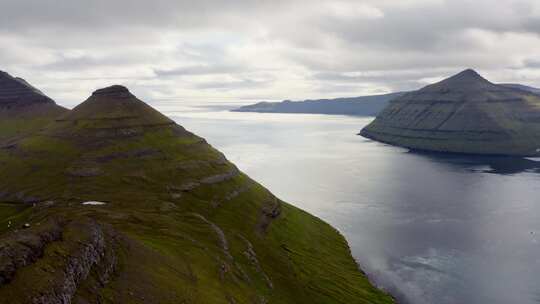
{"points": [[427, 228]]}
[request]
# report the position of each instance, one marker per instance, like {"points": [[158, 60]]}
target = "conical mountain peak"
{"points": [[468, 75], [115, 107], [467, 80], [113, 91]]}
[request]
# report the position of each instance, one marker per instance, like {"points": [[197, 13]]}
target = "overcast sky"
{"points": [[243, 51]]}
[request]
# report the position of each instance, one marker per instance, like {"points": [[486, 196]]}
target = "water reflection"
{"points": [[486, 164]]}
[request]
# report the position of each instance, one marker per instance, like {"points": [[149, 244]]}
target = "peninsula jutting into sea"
{"points": [[462, 114]]}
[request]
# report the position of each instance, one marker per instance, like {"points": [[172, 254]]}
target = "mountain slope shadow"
{"points": [[503, 165]]}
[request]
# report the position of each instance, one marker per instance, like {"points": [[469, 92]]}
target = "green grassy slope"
{"points": [[181, 224]]}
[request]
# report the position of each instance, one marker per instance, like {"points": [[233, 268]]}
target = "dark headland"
{"points": [[113, 202], [463, 114]]}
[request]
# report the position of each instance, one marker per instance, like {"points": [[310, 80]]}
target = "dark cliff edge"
{"points": [[357, 106], [23, 109], [113, 202], [462, 114]]}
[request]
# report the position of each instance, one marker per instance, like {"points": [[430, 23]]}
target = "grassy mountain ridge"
{"points": [[179, 223]]}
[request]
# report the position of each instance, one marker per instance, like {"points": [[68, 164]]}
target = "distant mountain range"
{"points": [[359, 106], [370, 105]]}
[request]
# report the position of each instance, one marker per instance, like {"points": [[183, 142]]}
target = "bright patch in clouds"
{"points": [[352, 10]]}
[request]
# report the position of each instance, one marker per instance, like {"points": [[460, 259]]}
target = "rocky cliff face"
{"points": [[49, 263], [177, 222], [462, 114]]}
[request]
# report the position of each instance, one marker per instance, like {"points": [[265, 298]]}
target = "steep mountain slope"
{"points": [[23, 108], [125, 206], [463, 114], [360, 106]]}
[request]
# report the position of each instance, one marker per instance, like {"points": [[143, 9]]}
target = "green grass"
{"points": [[12, 216]]}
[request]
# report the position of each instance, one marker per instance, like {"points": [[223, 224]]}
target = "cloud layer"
{"points": [[246, 50]]}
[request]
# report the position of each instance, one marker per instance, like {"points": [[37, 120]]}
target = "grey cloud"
{"points": [[199, 70], [82, 63], [104, 14], [531, 63], [436, 26], [379, 76], [232, 85], [203, 59], [267, 48], [393, 80], [341, 90]]}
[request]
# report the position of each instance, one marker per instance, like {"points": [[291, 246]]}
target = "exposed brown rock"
{"points": [[269, 212], [23, 248], [219, 178]]}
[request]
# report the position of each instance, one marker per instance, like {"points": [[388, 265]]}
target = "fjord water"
{"points": [[429, 228]]}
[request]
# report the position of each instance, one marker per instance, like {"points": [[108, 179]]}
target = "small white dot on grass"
{"points": [[94, 203]]}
